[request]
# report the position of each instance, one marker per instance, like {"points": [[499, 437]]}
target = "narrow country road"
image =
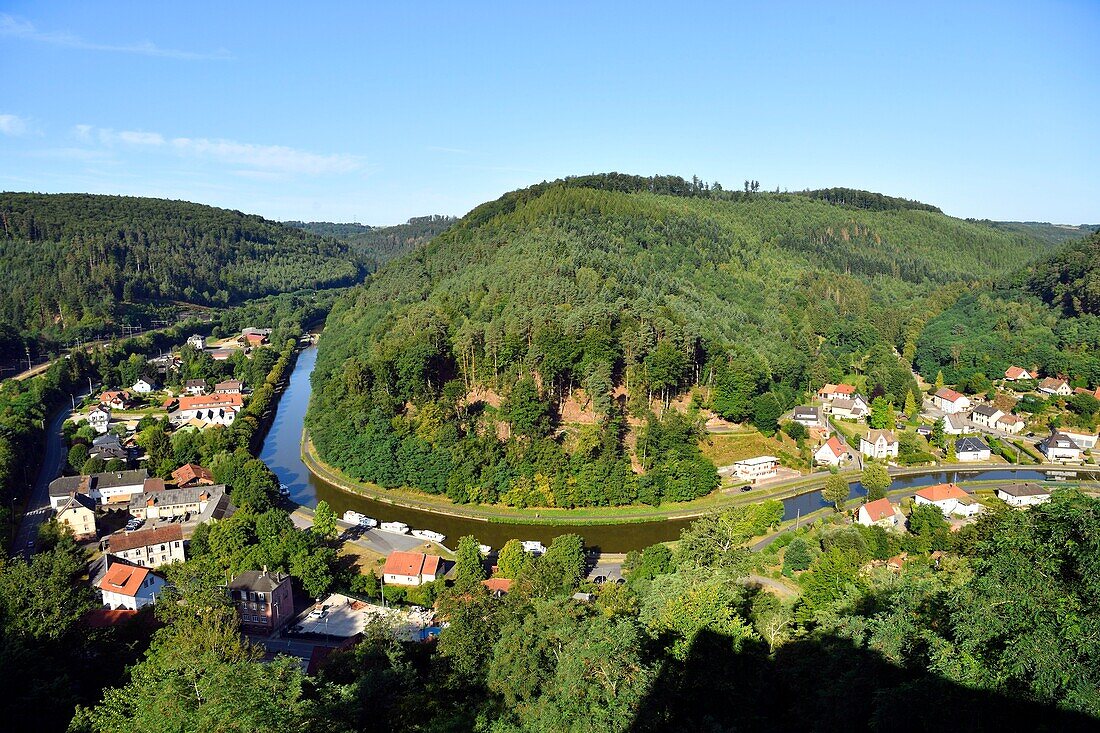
{"points": [[37, 507]]}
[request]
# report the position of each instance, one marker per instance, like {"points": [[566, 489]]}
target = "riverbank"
{"points": [[634, 514]]}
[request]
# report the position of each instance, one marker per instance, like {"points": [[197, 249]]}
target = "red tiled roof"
{"points": [[124, 579], [190, 473], [411, 563], [144, 538], [879, 509], [939, 492], [498, 585], [152, 484], [431, 564], [837, 389], [835, 446], [946, 393], [196, 402], [1015, 372]]}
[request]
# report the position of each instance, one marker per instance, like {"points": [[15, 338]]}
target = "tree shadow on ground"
{"points": [[826, 685]]}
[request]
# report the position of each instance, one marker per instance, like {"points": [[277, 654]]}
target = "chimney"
{"points": [[265, 571]]}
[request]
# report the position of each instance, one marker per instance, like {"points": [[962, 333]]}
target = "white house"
{"points": [[855, 408], [100, 418], [831, 453], [1053, 386], [145, 386], [1084, 441], [971, 449], [214, 409], [955, 424], [950, 401], [1023, 494], [879, 444], [1059, 448], [196, 342], [1015, 373], [116, 487], [195, 387], [880, 512], [831, 392], [948, 498], [986, 416], [756, 469], [1009, 424], [810, 417], [128, 586], [149, 547], [410, 568]]}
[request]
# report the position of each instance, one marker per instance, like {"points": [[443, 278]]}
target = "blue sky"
{"points": [[376, 112]]}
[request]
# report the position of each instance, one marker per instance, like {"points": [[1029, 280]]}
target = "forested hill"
{"points": [[73, 259], [382, 244], [1053, 233], [634, 287]]}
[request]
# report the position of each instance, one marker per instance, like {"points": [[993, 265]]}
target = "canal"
{"points": [[282, 453]]}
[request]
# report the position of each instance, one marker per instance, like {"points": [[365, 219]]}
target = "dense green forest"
{"points": [[1046, 315], [989, 628], [381, 244], [1052, 233], [448, 370], [76, 261]]}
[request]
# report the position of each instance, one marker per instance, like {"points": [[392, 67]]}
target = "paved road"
{"points": [[371, 539], [38, 503]]}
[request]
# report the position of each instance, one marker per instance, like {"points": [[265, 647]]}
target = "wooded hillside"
{"points": [[630, 294], [75, 260]]}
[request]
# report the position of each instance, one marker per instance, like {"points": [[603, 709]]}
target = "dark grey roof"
{"points": [[85, 484], [1059, 440], [258, 580], [195, 383], [986, 410], [177, 497], [806, 411], [78, 499], [1025, 490], [68, 484], [970, 445], [107, 438]]}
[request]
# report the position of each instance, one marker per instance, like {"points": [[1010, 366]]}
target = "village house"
{"points": [[1015, 373], [195, 341], [222, 354], [215, 409], [116, 399], [1009, 424], [264, 600], [1023, 494], [986, 416], [194, 387], [193, 503], [948, 498], [950, 401], [145, 386], [498, 587], [956, 424], [166, 363], [149, 548], [99, 418], [1084, 441], [192, 474], [970, 449], [810, 417], [1094, 393], [879, 444], [229, 386], [756, 469], [410, 568], [831, 392], [254, 336], [78, 514], [108, 446], [1054, 386], [853, 408], [129, 586], [831, 453], [879, 512], [1060, 448], [115, 487]]}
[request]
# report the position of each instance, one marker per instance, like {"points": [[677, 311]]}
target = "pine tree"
{"points": [[910, 406], [939, 380]]}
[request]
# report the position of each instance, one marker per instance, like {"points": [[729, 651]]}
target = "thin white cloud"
{"points": [[12, 125], [13, 27], [256, 161], [456, 151]]}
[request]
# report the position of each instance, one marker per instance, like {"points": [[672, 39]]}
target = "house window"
{"points": [[260, 597]]}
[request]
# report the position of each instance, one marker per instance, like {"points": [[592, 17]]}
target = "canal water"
{"points": [[282, 453]]}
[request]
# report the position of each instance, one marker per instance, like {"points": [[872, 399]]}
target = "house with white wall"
{"points": [[881, 444], [129, 586], [948, 498], [950, 401]]}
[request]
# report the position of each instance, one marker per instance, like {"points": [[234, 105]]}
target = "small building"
{"points": [[254, 336], [925, 430], [229, 386], [129, 586], [1009, 424], [100, 419], [955, 424], [950, 401], [948, 498], [831, 453], [498, 586], [880, 444], [1084, 441], [1015, 374], [410, 568], [1027, 494], [971, 449], [756, 469], [1060, 448], [1055, 386], [264, 600], [78, 514], [192, 474], [149, 548], [116, 399], [108, 446], [986, 416], [879, 512], [193, 503], [194, 387], [810, 417], [830, 392], [855, 407], [222, 354], [195, 341], [114, 487], [145, 386]]}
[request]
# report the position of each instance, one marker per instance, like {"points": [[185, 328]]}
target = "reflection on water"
{"points": [[282, 452]]}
